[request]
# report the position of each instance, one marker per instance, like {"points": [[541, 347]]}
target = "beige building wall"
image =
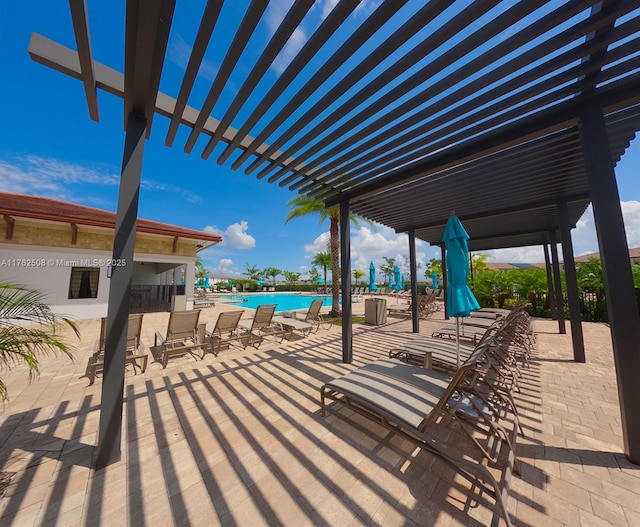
{"points": [[42, 254]]}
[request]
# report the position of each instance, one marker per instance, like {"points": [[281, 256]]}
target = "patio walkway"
{"points": [[239, 440]]}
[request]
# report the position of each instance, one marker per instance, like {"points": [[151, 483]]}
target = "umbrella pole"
{"points": [[458, 341]]}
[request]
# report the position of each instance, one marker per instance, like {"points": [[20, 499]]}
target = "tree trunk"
{"points": [[334, 240]]}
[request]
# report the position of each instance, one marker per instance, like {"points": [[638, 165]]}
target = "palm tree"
{"points": [[28, 328], [357, 275], [323, 260], [201, 272], [387, 267], [303, 205], [272, 272], [253, 272]]}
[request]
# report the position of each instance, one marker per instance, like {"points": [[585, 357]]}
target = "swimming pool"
{"points": [[284, 301]]}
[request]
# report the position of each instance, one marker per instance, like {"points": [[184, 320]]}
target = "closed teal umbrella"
{"points": [[372, 278], [460, 299], [434, 280], [396, 278]]}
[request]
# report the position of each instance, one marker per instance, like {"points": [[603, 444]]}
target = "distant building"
{"points": [[634, 255], [65, 250]]}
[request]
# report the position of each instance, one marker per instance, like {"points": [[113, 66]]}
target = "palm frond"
{"points": [[29, 329]]}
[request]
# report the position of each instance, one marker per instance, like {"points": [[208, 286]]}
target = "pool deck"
{"points": [[238, 439]]}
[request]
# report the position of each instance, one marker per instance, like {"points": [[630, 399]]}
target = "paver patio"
{"points": [[238, 439]]}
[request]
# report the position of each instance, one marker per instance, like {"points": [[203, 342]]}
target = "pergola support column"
{"points": [[575, 317], [345, 272], [110, 431], [557, 284], [550, 288], [622, 305], [413, 271]]}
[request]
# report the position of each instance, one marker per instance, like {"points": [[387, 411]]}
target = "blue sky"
{"points": [[50, 147]]}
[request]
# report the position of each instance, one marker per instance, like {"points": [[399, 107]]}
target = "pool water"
{"points": [[283, 301]]}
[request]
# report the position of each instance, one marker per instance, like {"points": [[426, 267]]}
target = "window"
{"points": [[84, 282]]}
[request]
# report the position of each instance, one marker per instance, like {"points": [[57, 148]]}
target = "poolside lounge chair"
{"points": [[201, 299], [181, 336], [416, 403], [134, 348], [262, 326], [226, 331], [314, 317]]}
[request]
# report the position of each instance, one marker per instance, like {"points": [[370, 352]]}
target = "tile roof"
{"points": [[37, 207]]}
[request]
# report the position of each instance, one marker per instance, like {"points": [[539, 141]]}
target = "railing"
{"points": [[593, 304]]}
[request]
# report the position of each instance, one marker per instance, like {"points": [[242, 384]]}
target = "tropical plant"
{"points": [[406, 264], [291, 276], [528, 283], [314, 274], [492, 286], [323, 260], [201, 272], [635, 270], [271, 272], [253, 272], [387, 267], [28, 329], [435, 264], [478, 263], [589, 275], [357, 275], [304, 205]]}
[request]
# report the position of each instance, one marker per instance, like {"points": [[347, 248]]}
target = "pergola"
{"points": [[512, 117]]}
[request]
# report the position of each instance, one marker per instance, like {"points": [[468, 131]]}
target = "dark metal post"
{"points": [[573, 296], [562, 328], [414, 281], [110, 431], [345, 271], [622, 305], [550, 288], [443, 256]]}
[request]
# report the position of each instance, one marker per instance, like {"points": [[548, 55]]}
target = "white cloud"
{"points": [[295, 43], [54, 178], [372, 244], [327, 7], [366, 7], [583, 237], [179, 52], [319, 245], [532, 254], [274, 16], [235, 235]]}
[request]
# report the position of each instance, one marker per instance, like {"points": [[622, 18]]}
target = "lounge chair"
{"points": [[314, 317], [436, 352], [226, 331], [262, 326], [416, 403], [134, 348], [292, 323], [201, 299], [181, 337]]}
